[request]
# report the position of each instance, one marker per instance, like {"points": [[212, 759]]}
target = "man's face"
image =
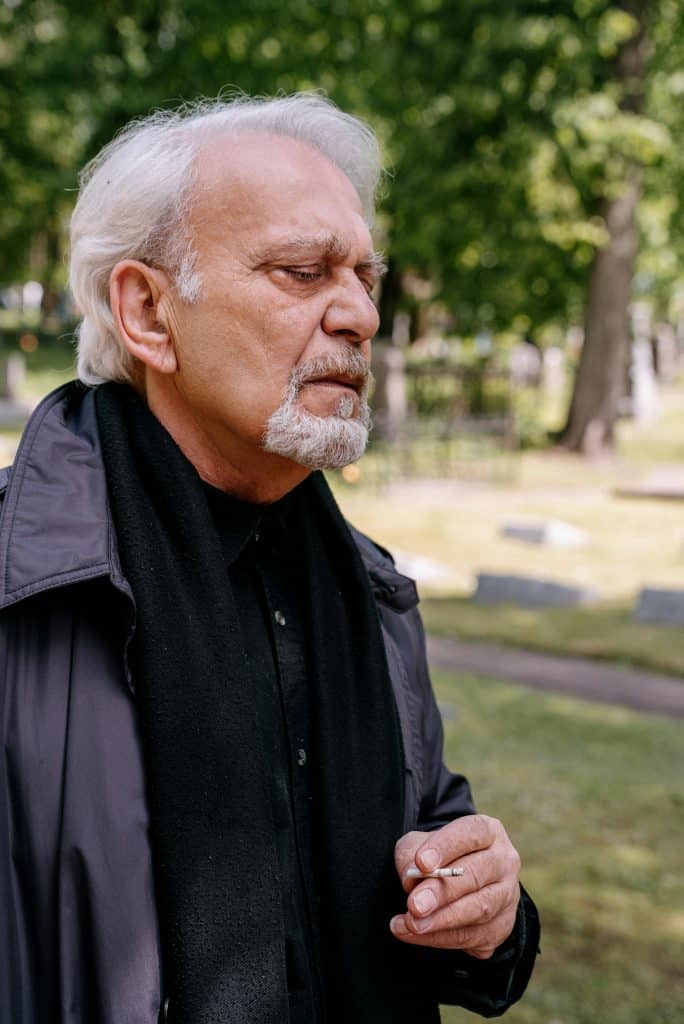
{"points": [[287, 268]]}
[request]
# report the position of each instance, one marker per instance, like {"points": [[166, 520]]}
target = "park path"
{"points": [[577, 677]]}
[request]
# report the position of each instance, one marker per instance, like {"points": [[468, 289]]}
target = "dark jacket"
{"points": [[79, 939]]}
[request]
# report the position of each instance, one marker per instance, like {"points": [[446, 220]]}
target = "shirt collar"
{"points": [[240, 521]]}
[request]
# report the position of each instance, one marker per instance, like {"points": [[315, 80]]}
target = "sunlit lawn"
{"points": [[593, 797], [457, 523], [633, 544]]}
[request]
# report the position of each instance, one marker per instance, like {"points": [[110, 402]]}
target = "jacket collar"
{"points": [[56, 525]]}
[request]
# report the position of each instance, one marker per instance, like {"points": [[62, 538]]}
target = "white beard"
{"points": [[321, 442]]}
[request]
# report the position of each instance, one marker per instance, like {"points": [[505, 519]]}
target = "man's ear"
{"points": [[135, 291]]}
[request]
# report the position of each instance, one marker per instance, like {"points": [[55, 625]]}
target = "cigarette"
{"points": [[437, 873]]}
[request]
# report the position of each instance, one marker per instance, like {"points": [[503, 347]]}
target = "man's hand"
{"points": [[474, 912]]}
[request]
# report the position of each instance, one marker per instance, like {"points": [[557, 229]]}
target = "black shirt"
{"points": [[260, 550]]}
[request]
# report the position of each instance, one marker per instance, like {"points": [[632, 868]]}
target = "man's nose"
{"points": [[351, 313]]}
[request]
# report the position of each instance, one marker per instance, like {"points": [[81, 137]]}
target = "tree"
{"points": [[520, 135], [602, 369]]}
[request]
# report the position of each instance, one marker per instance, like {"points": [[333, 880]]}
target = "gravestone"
{"points": [[643, 382], [13, 411], [421, 569], [389, 398], [524, 365], [660, 485], [642, 378], [553, 371], [553, 534], [530, 592], [665, 351], [12, 375], [660, 605]]}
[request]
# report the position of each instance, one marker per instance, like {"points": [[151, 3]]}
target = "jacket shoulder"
{"points": [[5, 474], [371, 552], [390, 586]]}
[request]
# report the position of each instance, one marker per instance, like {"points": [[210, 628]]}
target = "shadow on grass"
{"points": [[607, 631]]}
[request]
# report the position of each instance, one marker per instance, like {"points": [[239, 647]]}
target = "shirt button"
{"points": [[280, 618], [301, 757], [257, 537]]}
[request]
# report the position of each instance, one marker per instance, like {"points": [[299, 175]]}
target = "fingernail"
{"points": [[398, 925], [429, 859], [424, 902], [422, 924]]}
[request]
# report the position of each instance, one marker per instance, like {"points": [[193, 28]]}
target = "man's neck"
{"points": [[249, 474]]}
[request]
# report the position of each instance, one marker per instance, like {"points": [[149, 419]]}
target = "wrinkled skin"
{"points": [[287, 270], [474, 912]]}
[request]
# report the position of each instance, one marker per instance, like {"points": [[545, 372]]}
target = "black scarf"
{"points": [[212, 831]]}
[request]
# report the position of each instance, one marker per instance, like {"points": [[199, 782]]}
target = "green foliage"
{"points": [[504, 125]]}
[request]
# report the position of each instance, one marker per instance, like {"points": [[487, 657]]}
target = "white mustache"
{"points": [[349, 364]]}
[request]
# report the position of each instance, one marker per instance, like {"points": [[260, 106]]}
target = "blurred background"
{"points": [[527, 461]]}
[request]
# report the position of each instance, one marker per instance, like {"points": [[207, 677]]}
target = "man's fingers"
{"points": [[475, 911], [471, 910], [478, 940], [405, 857], [458, 838], [480, 869]]}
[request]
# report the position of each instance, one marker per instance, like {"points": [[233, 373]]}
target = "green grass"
{"points": [[607, 632], [593, 798]]}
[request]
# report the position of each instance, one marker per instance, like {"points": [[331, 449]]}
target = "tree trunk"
{"points": [[601, 374]]}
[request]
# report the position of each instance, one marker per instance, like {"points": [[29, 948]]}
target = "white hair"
{"points": [[136, 193]]}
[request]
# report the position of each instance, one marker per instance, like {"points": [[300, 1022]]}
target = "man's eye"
{"points": [[302, 275]]}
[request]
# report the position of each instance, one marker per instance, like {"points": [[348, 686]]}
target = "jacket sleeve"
{"points": [[486, 987]]}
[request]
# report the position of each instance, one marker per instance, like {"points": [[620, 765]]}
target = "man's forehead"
{"points": [[261, 162], [277, 192]]}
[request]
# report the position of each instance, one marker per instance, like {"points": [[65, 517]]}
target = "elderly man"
{"points": [[222, 755]]}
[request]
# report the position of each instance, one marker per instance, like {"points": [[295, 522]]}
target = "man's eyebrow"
{"points": [[375, 265]]}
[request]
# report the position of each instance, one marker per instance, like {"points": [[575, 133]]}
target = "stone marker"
{"points": [[662, 484], [660, 605], [390, 404], [553, 534], [421, 569], [643, 401], [12, 374], [524, 365], [553, 370], [531, 592], [666, 356], [643, 382]]}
